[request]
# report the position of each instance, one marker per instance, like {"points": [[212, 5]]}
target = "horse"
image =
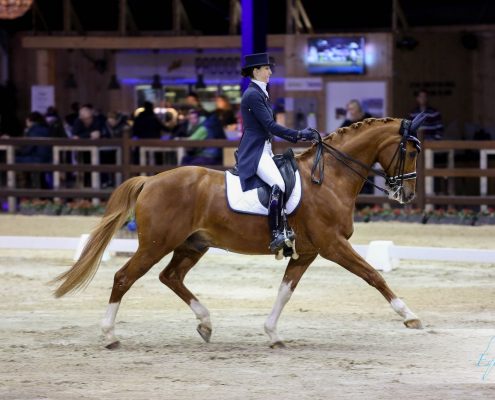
{"points": [[185, 211]]}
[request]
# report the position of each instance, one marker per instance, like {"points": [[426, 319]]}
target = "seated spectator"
{"points": [[198, 131], [88, 125], [147, 125], [355, 113], [432, 126]]}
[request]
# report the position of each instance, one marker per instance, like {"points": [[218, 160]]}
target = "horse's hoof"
{"points": [[204, 332], [113, 345], [413, 323], [278, 345]]}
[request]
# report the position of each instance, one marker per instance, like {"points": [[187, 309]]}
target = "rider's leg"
{"points": [[268, 172]]}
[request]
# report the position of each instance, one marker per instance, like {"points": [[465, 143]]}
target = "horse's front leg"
{"points": [[343, 254], [293, 273]]}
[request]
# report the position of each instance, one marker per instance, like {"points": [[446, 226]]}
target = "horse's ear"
{"points": [[417, 121]]}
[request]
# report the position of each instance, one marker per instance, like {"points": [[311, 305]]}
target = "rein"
{"points": [[395, 182]]}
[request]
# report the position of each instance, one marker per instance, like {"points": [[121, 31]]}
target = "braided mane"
{"points": [[354, 128]]}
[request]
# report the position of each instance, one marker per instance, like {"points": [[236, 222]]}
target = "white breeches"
{"points": [[267, 170]]}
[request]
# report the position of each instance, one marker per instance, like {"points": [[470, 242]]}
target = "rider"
{"points": [[255, 163]]}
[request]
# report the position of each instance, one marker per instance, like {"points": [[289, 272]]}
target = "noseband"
{"points": [[395, 183]]}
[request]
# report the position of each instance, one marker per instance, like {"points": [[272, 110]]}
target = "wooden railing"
{"points": [[125, 167]]}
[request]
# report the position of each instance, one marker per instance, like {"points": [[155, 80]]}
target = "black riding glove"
{"points": [[306, 134]]}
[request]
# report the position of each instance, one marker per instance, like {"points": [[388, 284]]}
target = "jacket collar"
{"points": [[254, 85]]}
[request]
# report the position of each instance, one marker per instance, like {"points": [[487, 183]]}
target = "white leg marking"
{"points": [[284, 294], [201, 313], [108, 322], [400, 308]]}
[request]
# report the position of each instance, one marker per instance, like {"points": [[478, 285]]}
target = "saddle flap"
{"points": [[287, 165], [248, 202]]}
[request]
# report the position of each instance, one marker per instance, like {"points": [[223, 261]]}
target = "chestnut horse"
{"points": [[185, 211]]}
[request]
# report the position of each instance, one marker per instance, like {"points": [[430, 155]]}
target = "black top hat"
{"points": [[255, 60]]}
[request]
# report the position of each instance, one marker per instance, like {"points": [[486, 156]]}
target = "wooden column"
{"points": [[45, 67]]}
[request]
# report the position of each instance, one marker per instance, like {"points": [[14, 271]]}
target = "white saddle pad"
{"points": [[247, 202]]}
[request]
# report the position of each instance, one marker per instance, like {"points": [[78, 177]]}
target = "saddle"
{"points": [[287, 165]]}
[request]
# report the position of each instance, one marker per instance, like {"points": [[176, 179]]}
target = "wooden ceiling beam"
{"points": [[140, 42]]}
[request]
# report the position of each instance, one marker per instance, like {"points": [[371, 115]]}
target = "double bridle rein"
{"points": [[394, 183]]}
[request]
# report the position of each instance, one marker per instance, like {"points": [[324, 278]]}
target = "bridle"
{"points": [[394, 183]]}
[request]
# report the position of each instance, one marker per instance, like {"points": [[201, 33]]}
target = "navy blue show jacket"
{"points": [[259, 126]]}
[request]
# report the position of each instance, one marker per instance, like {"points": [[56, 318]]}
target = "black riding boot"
{"points": [[275, 219]]}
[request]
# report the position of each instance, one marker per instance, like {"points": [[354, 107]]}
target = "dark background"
{"points": [[210, 17]]}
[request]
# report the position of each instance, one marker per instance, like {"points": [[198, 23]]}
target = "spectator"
{"points": [[70, 118], [432, 126], [224, 111], [54, 123], [88, 126], [35, 128], [147, 125], [355, 113], [198, 131], [193, 101], [116, 124]]}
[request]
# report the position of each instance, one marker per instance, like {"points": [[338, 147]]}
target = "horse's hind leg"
{"points": [[343, 254], [185, 257], [135, 268]]}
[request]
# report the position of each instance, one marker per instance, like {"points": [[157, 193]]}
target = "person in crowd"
{"points": [[147, 125], [255, 164], [196, 130], [355, 113], [181, 128], [55, 123], [224, 111], [432, 129], [36, 127], [192, 101], [70, 118], [116, 124], [88, 125], [432, 126]]}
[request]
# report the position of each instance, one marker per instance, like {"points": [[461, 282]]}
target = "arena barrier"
{"points": [[126, 168], [383, 255]]}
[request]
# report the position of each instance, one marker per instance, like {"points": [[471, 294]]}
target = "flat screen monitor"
{"points": [[335, 55]]}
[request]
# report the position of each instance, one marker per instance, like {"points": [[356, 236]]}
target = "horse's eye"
{"points": [[413, 154]]}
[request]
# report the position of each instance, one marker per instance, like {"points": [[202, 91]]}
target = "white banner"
{"points": [[304, 84], [42, 97]]}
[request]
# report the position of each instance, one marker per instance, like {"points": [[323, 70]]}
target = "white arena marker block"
{"points": [[80, 247], [379, 255]]}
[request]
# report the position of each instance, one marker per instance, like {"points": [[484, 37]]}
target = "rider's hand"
{"points": [[306, 134]]}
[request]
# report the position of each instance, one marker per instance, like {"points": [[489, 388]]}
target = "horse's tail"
{"points": [[121, 202]]}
